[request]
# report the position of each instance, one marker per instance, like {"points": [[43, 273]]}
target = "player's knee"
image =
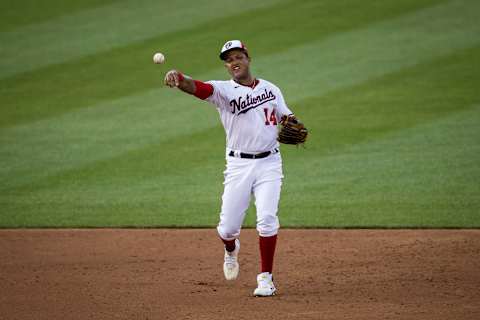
{"points": [[268, 225], [228, 232]]}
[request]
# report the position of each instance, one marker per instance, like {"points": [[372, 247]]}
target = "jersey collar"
{"points": [[252, 86]]}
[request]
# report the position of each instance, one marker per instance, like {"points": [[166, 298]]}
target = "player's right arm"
{"points": [[174, 78]]}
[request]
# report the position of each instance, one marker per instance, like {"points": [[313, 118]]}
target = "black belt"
{"points": [[253, 156]]}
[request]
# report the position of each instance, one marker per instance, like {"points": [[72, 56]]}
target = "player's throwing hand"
{"points": [[173, 78]]}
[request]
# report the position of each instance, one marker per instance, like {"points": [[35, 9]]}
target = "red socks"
{"points": [[267, 252], [229, 245]]}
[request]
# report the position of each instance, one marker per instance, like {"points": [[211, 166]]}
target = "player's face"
{"points": [[238, 64]]}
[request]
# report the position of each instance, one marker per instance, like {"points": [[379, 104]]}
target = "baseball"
{"points": [[158, 58]]}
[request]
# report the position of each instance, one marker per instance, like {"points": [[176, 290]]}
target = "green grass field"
{"points": [[90, 137]]}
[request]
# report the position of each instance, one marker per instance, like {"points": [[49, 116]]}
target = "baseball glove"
{"points": [[292, 131]]}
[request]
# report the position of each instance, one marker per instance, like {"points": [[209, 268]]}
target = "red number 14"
{"points": [[270, 119]]}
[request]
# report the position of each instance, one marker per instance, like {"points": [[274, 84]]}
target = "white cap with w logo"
{"points": [[230, 45]]}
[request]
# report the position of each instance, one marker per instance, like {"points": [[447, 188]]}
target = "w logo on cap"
{"points": [[232, 44]]}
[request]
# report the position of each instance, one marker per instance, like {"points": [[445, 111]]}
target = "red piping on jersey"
{"points": [[202, 90], [253, 85]]}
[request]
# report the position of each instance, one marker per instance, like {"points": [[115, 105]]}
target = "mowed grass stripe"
{"points": [[398, 100], [349, 58], [100, 29], [107, 130], [424, 176], [100, 77], [169, 183], [16, 14], [184, 178], [392, 147], [32, 152]]}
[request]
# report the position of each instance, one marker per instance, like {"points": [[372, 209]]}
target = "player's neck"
{"points": [[247, 81]]}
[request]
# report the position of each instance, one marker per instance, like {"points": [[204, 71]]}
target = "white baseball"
{"points": [[158, 58]]}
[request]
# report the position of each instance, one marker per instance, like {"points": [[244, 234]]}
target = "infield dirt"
{"points": [[177, 274]]}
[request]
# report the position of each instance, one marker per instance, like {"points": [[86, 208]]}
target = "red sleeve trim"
{"points": [[203, 90]]}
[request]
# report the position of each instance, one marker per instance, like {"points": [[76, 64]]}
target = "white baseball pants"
{"points": [[244, 177]]}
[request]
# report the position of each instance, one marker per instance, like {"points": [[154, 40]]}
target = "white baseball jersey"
{"points": [[249, 115]]}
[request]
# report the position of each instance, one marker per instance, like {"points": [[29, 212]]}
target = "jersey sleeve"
{"points": [[282, 108], [217, 97]]}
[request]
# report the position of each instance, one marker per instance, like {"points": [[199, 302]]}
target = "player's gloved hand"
{"points": [[173, 78], [292, 131]]}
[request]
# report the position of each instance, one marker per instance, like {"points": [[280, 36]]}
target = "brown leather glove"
{"points": [[292, 131]]}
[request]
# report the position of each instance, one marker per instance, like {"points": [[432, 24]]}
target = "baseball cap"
{"points": [[230, 45]]}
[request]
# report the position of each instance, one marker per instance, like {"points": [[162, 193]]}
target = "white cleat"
{"points": [[231, 266], [265, 288]]}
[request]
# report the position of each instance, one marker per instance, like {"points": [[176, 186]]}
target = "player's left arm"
{"points": [[282, 108]]}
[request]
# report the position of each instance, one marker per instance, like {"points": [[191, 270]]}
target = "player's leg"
{"points": [[235, 201], [267, 195]]}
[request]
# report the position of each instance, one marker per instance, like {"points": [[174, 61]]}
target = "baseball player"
{"points": [[250, 109]]}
